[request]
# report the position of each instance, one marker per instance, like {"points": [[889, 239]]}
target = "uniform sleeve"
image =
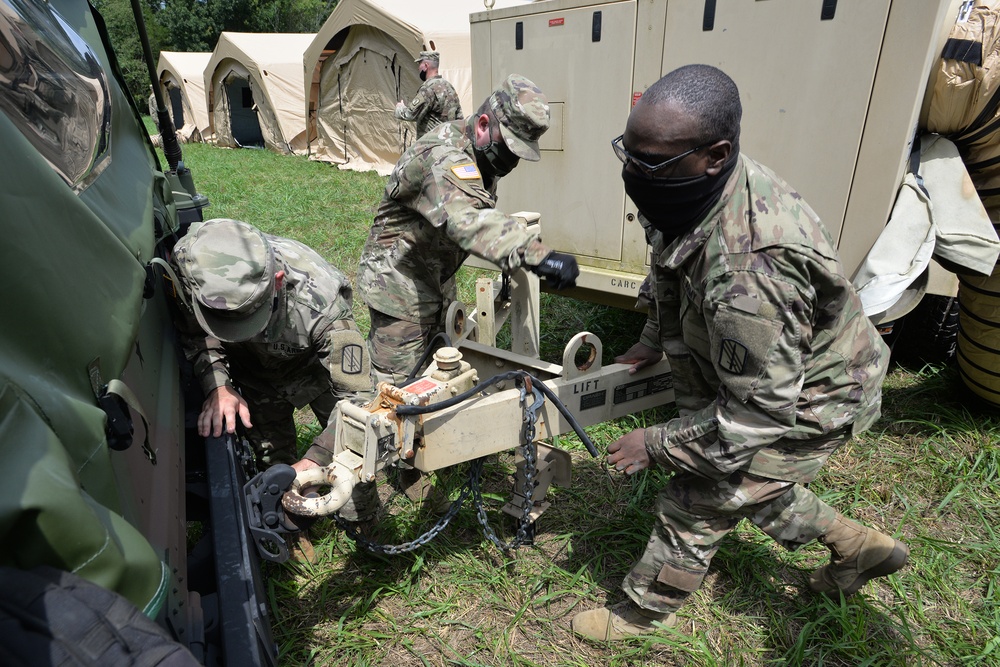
{"points": [[343, 352], [650, 336], [206, 354], [418, 107], [757, 352], [463, 208], [691, 391]]}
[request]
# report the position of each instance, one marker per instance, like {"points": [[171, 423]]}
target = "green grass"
{"points": [[928, 472]]}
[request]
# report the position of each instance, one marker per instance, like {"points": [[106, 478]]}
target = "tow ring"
{"points": [[336, 476]]}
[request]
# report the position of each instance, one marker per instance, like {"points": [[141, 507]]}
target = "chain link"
{"points": [[473, 487]]}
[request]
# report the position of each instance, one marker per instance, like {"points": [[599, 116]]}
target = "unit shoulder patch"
{"points": [[466, 172]]}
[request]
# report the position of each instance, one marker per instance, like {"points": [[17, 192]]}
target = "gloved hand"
{"points": [[559, 270]]}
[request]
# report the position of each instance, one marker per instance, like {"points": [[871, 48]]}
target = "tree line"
{"points": [[195, 25]]}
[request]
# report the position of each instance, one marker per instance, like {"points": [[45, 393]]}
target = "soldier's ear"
{"points": [[483, 136], [718, 153]]}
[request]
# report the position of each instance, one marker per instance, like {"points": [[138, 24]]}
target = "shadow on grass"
{"points": [[750, 582]]}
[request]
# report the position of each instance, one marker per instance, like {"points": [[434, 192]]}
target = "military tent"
{"points": [[361, 63], [255, 90], [182, 80]]}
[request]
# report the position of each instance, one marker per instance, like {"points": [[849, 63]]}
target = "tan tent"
{"points": [[255, 90], [182, 81], [361, 63]]}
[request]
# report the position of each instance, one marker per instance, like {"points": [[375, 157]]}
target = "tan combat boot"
{"points": [[300, 549], [858, 554], [419, 488], [621, 621]]}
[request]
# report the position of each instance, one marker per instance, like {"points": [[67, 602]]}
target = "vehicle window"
{"points": [[53, 88]]}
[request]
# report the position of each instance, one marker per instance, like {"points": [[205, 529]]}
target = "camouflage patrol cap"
{"points": [[229, 269], [523, 113], [429, 56]]}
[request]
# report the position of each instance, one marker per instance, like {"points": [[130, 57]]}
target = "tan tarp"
{"points": [[965, 105], [937, 212], [184, 73], [271, 64], [961, 95], [355, 89]]}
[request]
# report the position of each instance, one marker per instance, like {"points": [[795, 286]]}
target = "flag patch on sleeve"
{"points": [[466, 172]]}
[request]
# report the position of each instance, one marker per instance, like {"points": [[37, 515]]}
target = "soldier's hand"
{"points": [[639, 355], [628, 453], [220, 409], [558, 269]]}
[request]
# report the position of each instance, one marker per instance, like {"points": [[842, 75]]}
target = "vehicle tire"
{"points": [[52, 617], [929, 333]]}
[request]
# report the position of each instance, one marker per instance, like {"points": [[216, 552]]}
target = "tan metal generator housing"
{"points": [[831, 91]]}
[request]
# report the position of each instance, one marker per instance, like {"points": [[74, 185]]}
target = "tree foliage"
{"points": [[195, 25]]}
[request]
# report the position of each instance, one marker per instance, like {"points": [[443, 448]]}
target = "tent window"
{"points": [[53, 89]]}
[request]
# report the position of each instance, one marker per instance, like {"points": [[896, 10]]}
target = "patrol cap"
{"points": [[523, 113], [430, 56], [229, 267]]}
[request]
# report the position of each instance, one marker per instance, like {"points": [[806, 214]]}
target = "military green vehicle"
{"points": [[105, 481]]}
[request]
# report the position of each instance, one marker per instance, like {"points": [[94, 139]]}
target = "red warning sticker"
{"points": [[421, 387], [558, 21]]}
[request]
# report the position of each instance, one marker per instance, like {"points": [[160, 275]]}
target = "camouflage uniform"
{"points": [[774, 367], [436, 102], [436, 210], [310, 351]]}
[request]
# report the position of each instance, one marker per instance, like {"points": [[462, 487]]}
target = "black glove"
{"points": [[559, 270]]}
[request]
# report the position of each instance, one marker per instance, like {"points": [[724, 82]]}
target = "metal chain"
{"points": [[396, 549], [528, 451], [473, 486]]}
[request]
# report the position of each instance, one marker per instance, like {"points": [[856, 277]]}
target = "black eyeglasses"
{"points": [[649, 169]]}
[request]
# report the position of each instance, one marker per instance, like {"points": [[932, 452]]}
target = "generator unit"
{"points": [[831, 90]]}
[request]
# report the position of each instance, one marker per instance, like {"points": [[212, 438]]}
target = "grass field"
{"points": [[927, 472]]}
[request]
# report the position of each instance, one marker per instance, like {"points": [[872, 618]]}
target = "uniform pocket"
{"points": [[742, 345]]}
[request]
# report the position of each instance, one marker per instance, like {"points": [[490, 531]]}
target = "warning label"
{"points": [[641, 388], [593, 399]]}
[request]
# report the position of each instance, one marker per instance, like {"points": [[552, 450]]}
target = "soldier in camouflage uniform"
{"points": [[774, 364], [269, 329], [438, 207], [436, 101]]}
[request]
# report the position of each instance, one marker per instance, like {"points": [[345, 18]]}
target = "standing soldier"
{"points": [[774, 364], [436, 101], [438, 208]]}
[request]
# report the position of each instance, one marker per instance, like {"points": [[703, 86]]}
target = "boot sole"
{"points": [[893, 563]]}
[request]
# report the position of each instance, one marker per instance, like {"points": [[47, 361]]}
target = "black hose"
{"points": [[423, 358], [404, 410], [564, 411]]}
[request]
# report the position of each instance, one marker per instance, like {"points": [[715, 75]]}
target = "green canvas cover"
{"points": [[79, 186]]}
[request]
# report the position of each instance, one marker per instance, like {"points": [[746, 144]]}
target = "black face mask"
{"points": [[675, 205], [423, 75], [495, 161]]}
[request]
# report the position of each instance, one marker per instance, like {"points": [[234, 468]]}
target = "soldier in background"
{"points": [[269, 329], [436, 101], [774, 364], [438, 208]]}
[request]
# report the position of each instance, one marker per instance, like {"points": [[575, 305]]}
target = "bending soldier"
{"points": [[774, 364], [269, 329], [438, 208]]}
